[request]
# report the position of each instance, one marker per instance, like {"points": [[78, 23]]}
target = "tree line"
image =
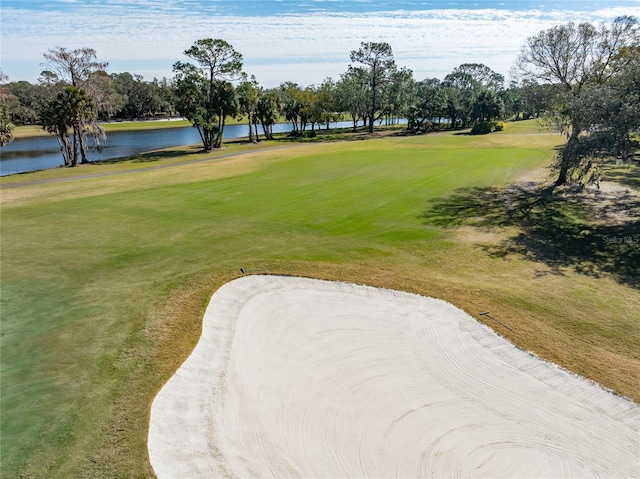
{"points": [[581, 78], [214, 87]]}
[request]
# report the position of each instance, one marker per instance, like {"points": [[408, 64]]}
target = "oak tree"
{"points": [[577, 60]]}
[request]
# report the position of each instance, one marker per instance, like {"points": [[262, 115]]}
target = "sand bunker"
{"points": [[296, 377]]}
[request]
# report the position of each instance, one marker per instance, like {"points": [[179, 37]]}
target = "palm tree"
{"points": [[248, 96], [71, 109], [268, 111], [486, 107], [225, 104]]}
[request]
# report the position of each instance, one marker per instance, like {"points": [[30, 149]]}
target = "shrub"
{"points": [[481, 128], [487, 127]]}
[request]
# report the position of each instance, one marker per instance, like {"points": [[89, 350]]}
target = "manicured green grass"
{"points": [[152, 159], [104, 280]]}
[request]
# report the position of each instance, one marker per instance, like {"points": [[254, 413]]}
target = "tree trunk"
{"points": [[562, 175], [255, 127], [82, 141], [201, 133], [207, 136], [218, 140], [567, 156], [250, 131], [374, 92], [65, 147], [264, 130], [74, 152]]}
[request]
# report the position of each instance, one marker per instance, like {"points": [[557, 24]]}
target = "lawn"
{"points": [[104, 280]]}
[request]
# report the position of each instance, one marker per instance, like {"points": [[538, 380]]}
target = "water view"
{"points": [[31, 154]]}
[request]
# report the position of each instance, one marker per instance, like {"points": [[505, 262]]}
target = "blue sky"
{"points": [[286, 40]]}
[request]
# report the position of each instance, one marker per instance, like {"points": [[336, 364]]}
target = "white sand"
{"points": [[295, 377]]}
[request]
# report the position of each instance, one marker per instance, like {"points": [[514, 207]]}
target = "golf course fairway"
{"points": [[106, 277]]}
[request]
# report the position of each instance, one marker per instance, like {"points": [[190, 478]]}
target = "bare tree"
{"points": [[74, 67], [80, 69]]}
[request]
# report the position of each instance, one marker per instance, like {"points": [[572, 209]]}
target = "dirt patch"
{"points": [[613, 203]]}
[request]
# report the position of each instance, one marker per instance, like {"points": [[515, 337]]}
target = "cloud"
{"points": [[147, 37]]}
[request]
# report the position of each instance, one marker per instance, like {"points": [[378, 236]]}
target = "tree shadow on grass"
{"points": [[625, 175], [322, 135], [593, 234], [152, 156]]}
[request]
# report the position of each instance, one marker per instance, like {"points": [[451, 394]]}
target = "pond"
{"points": [[31, 154]]}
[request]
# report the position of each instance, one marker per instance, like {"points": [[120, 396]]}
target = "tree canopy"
{"points": [[582, 62], [203, 89], [375, 70], [76, 84], [71, 108], [73, 67], [581, 78], [6, 127]]}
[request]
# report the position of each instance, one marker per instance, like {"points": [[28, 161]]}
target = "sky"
{"points": [[304, 41]]}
